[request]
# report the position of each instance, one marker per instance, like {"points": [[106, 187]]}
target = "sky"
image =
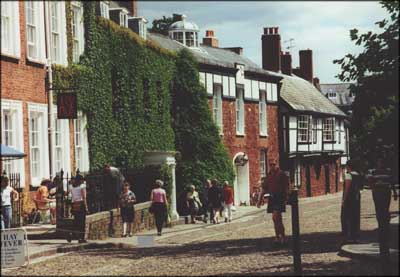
{"points": [[323, 27]]}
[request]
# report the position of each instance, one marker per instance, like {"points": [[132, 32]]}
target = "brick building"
{"points": [[313, 135], [243, 98], [26, 61]]}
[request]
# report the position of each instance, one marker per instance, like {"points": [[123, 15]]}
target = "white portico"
{"points": [[168, 158]]}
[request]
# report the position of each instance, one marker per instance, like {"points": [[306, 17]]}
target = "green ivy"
{"points": [[109, 81]]}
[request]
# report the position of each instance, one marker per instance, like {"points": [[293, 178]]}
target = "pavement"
{"points": [[242, 247], [48, 244]]}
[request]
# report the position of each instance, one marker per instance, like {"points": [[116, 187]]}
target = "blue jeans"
{"points": [[6, 212]]}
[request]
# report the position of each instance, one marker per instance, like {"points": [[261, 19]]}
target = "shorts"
{"points": [[276, 202]]}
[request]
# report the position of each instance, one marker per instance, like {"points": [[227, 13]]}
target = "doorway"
{"points": [[241, 185], [327, 181]]}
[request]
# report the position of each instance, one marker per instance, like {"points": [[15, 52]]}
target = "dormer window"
{"points": [[331, 94], [123, 19], [185, 32], [104, 9], [138, 25], [120, 16]]}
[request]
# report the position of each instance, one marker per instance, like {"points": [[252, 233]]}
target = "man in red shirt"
{"points": [[227, 193], [276, 184]]}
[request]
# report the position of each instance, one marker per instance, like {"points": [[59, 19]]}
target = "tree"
{"points": [[203, 155], [161, 25], [374, 123]]}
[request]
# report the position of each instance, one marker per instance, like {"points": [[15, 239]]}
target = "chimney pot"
{"points": [[286, 63], [209, 33], [210, 40]]}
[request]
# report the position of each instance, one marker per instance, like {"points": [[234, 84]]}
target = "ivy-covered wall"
{"points": [[123, 86]]}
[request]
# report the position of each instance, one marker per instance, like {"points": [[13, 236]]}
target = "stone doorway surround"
{"points": [[168, 158]]}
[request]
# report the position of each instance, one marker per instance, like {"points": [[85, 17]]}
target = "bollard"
{"points": [[294, 202]]}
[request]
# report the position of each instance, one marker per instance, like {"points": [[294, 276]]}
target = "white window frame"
{"points": [[331, 94], [58, 36], [217, 107], [240, 112], [190, 39], [37, 23], [60, 142], [314, 130], [262, 111], [82, 146], [123, 18], [304, 129], [104, 9], [263, 163], [328, 129], [14, 108], [297, 173], [179, 36], [78, 31], [10, 32], [39, 111]]}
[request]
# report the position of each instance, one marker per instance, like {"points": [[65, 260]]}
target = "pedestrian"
{"points": [[43, 201], [127, 201], [79, 208], [350, 209], [227, 193], [193, 202], [276, 184], [113, 183], [215, 199], [205, 202], [159, 203], [255, 195], [8, 195]]}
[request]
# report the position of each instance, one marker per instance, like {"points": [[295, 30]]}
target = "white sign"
{"points": [[14, 246]]}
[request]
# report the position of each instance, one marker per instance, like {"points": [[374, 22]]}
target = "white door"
{"points": [[241, 185]]}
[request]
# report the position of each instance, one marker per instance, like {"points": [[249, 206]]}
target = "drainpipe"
{"points": [[50, 122]]}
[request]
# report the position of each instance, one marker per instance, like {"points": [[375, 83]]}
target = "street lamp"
{"points": [[294, 202]]}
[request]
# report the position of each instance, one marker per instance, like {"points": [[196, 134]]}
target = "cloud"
{"points": [[321, 26]]}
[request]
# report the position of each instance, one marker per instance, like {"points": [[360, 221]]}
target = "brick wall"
{"points": [[252, 143], [318, 183]]}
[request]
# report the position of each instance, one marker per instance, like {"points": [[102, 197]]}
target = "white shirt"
{"points": [[6, 196], [76, 193]]}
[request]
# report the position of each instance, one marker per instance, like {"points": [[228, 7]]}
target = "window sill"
{"points": [[304, 142], [10, 57], [36, 63], [329, 141], [240, 135], [264, 135]]}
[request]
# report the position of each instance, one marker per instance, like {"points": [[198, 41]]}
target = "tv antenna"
{"points": [[291, 45]]}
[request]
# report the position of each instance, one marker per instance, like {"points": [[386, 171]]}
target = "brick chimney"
{"points": [[210, 40], [316, 83], [132, 6], [237, 50], [306, 65], [286, 60], [271, 49]]}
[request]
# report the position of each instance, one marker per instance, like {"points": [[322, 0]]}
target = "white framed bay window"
{"points": [[328, 129], [81, 143], [35, 39], [10, 32], [77, 30], [38, 142], [61, 145], [12, 135], [58, 32], [262, 110], [217, 107], [240, 112]]}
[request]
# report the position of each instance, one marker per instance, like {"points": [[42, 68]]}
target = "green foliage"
{"points": [[124, 118], [161, 25], [374, 123], [196, 136]]}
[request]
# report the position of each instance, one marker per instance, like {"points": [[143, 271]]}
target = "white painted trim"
{"points": [[43, 141], [65, 144], [40, 37], [15, 37], [15, 105]]}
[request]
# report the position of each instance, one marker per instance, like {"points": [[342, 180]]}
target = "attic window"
{"points": [[123, 19], [331, 94]]}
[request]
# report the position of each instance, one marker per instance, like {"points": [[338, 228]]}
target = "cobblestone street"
{"points": [[243, 247]]}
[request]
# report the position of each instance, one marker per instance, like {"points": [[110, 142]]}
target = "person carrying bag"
{"points": [[78, 209]]}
